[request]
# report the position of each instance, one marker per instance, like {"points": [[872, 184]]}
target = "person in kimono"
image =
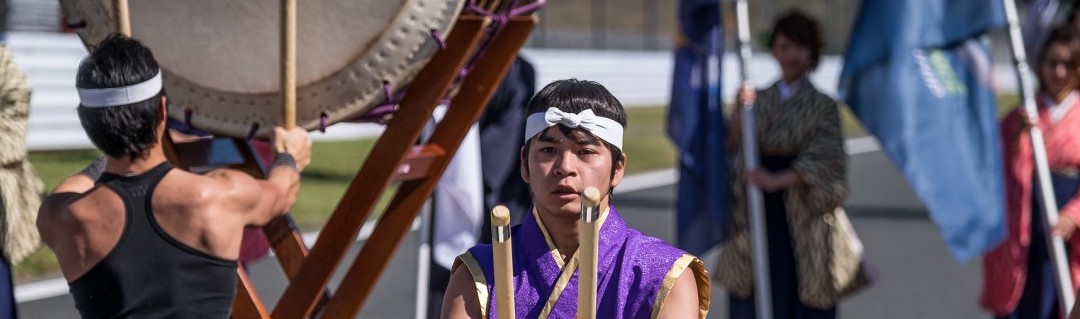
{"points": [[573, 140], [1018, 276], [802, 177]]}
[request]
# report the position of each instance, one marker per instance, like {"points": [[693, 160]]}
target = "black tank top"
{"points": [[149, 274]]}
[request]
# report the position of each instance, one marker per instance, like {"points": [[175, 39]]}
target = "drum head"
{"points": [[221, 60]]}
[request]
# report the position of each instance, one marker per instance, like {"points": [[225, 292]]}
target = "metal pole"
{"points": [[423, 262], [1046, 195], [758, 240]]}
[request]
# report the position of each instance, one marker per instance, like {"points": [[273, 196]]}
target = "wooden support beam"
{"points": [[418, 163], [430, 85], [250, 307], [466, 107]]}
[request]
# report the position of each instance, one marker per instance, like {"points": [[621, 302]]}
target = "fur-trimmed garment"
{"points": [[20, 189]]}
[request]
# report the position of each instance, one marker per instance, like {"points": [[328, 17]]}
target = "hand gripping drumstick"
{"points": [[587, 253], [504, 262]]}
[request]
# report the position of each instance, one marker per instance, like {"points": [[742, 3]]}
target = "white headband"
{"points": [[137, 92], [604, 128]]}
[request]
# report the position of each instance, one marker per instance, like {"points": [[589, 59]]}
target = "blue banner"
{"points": [[696, 126], [916, 75]]}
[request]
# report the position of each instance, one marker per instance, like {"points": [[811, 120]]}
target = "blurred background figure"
{"points": [[802, 176], [1019, 278]]}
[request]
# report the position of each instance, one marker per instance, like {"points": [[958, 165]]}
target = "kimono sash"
{"points": [[636, 272]]}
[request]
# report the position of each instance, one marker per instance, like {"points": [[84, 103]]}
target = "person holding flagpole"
{"points": [[802, 176], [574, 140], [1018, 274]]}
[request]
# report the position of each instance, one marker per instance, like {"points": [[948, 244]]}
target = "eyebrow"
{"points": [[585, 140]]}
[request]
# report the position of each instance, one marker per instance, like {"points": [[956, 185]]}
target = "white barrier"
{"points": [[637, 78]]}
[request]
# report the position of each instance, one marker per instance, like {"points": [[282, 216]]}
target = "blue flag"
{"points": [[915, 74], [696, 126]]}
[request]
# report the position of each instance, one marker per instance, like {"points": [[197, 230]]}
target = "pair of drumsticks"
{"points": [[588, 244]]}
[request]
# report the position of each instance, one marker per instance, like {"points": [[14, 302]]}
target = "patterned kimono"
{"points": [[1006, 267], [803, 133], [635, 273]]}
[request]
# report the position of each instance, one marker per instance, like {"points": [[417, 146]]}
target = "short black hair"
{"points": [[574, 96], [124, 130], [1065, 35], [803, 30]]}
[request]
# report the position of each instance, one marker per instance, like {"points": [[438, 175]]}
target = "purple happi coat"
{"points": [[635, 273]]}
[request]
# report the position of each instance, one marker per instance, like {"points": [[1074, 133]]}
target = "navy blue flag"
{"points": [[696, 126], [916, 75]]}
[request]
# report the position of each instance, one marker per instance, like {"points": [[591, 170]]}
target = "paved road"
{"points": [[916, 276]]}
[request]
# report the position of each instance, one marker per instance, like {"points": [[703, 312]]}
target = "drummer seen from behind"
{"points": [[135, 237], [574, 140]]}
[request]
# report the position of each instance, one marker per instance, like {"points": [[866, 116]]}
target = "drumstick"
{"points": [[587, 253], [123, 18], [504, 262], [288, 63]]}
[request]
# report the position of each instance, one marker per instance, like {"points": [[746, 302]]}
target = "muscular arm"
{"points": [[682, 301], [261, 200], [461, 300], [258, 201]]}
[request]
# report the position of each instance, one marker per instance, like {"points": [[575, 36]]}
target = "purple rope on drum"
{"points": [[501, 19], [438, 39], [251, 132], [389, 90], [324, 120], [381, 113]]}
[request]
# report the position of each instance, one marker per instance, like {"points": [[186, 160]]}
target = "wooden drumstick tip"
{"points": [[500, 216], [591, 194]]}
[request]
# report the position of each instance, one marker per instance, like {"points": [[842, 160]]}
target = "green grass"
{"points": [[333, 166], [647, 146], [335, 163]]}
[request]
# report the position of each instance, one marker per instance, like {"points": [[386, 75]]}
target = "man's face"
{"points": [[560, 167]]}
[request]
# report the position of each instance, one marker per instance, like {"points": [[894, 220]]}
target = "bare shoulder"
{"points": [[223, 187], [683, 301], [461, 300], [69, 213]]}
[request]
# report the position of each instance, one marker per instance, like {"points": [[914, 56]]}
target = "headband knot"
{"points": [[606, 129], [555, 116]]}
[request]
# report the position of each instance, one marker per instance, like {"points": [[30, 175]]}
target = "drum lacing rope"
{"points": [[324, 121], [438, 39], [378, 114], [187, 117], [501, 20], [251, 132]]}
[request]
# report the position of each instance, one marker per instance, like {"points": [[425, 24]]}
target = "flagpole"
{"points": [[1046, 195], [758, 240]]}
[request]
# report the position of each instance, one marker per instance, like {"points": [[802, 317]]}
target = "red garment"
{"points": [[1005, 267]]}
